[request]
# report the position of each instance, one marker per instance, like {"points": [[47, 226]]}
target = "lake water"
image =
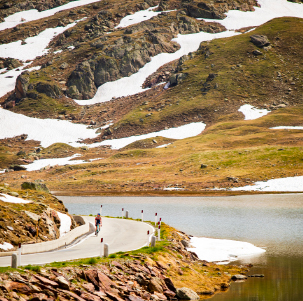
{"points": [[271, 221]]}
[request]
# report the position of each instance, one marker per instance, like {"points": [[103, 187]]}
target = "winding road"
{"points": [[120, 235]]}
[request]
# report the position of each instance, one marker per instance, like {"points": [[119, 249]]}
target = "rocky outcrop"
{"points": [[185, 293], [21, 86], [124, 58], [260, 40], [9, 63], [34, 186]]}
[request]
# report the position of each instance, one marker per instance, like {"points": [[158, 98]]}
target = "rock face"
{"points": [[260, 40], [22, 83], [185, 293]]}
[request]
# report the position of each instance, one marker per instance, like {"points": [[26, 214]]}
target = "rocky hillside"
{"points": [[34, 210], [253, 64], [165, 272]]}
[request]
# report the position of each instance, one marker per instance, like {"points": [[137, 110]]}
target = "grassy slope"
{"points": [[230, 146]]}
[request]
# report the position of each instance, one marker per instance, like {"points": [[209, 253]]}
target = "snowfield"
{"points": [[12, 199], [181, 132], [34, 14], [290, 184], [6, 246], [48, 131], [222, 250], [251, 113], [39, 164]]}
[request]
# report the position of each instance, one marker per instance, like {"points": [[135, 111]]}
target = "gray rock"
{"points": [[10, 228], [259, 40], [185, 243], [185, 293], [22, 84], [239, 277], [49, 90], [257, 52], [203, 165]]}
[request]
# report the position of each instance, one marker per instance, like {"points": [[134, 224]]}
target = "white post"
{"points": [[153, 241], [142, 215], [101, 210], [159, 232], [156, 219], [122, 212], [148, 238], [102, 248], [14, 264], [19, 255], [160, 220], [106, 250]]}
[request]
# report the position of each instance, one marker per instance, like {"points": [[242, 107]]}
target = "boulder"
{"points": [[63, 283], [259, 40], [238, 277], [34, 186], [185, 293], [22, 84], [16, 167]]}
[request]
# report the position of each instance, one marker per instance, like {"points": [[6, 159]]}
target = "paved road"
{"points": [[120, 235]]}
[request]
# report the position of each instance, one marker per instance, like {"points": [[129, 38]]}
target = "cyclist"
{"points": [[98, 223]]}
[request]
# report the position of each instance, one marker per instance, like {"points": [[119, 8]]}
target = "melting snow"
{"points": [[65, 223], [251, 112], [38, 164], [35, 46], [281, 184], [34, 14], [12, 199], [222, 250], [181, 132], [48, 131], [287, 128], [6, 246], [269, 10], [163, 145]]}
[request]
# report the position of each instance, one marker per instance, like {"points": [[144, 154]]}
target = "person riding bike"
{"points": [[98, 223]]}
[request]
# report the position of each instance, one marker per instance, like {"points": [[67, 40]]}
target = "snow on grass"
{"points": [[282, 184], [39, 164], [34, 46], [287, 128], [12, 199], [65, 223], [181, 132], [133, 84], [8, 79], [269, 10], [6, 246], [34, 14], [251, 112], [47, 131], [222, 250], [163, 145], [139, 16]]}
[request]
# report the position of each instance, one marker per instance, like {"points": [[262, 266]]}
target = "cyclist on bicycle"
{"points": [[98, 223]]}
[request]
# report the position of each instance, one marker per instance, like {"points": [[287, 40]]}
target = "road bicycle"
{"points": [[97, 230]]}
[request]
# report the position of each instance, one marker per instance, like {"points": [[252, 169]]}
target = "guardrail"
{"points": [[67, 239]]}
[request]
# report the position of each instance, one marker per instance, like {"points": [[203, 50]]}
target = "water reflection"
{"points": [[271, 221]]}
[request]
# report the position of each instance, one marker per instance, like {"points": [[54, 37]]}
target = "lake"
{"points": [[274, 222]]}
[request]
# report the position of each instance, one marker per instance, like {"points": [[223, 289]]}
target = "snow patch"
{"points": [[181, 132], [139, 16], [65, 223], [34, 46], [12, 199], [222, 250], [282, 184], [269, 10], [38, 164], [47, 131], [34, 14], [6, 246], [287, 128], [251, 112], [163, 145]]}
